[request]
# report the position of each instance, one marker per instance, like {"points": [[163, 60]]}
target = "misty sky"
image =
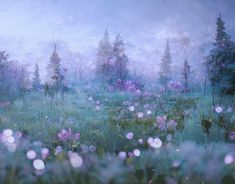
{"points": [[144, 24]]}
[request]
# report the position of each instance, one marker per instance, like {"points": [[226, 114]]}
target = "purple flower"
{"points": [[63, 135], [129, 135], [161, 122], [171, 124], [232, 135]]}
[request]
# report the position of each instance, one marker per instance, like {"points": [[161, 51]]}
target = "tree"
{"points": [[165, 65], [55, 74], [119, 62], [103, 57], [14, 81], [36, 78], [220, 64], [186, 71]]}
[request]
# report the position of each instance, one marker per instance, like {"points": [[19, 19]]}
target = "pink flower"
{"points": [[129, 135], [44, 153], [161, 122], [171, 124], [63, 135]]}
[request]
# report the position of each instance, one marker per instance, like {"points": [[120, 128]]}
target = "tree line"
{"points": [[112, 69]]}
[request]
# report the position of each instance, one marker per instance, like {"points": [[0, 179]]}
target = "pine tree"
{"points": [[119, 60], [55, 76], [103, 57], [36, 78], [220, 60], [186, 71], [165, 65]]}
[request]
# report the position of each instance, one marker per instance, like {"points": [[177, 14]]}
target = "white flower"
{"points": [[140, 141], [131, 108], [7, 132], [228, 159], [38, 164], [154, 143], [218, 109], [140, 115], [75, 160], [122, 155], [149, 112], [10, 139], [31, 154], [136, 152]]}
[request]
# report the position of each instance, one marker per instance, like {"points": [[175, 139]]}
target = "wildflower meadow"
{"points": [[96, 108]]}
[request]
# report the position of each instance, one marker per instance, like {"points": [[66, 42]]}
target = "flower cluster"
{"points": [[66, 135], [163, 124]]}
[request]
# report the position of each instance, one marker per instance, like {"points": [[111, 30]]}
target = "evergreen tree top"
{"points": [[55, 56], [221, 36]]}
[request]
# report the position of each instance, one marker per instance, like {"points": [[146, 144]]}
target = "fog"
{"points": [[29, 29]]}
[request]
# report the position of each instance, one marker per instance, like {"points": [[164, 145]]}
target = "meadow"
{"points": [[97, 135]]}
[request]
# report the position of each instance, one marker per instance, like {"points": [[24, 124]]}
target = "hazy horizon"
{"points": [[29, 27]]}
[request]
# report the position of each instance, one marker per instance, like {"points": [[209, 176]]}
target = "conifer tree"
{"points": [[165, 65], [103, 57], [119, 60], [55, 76], [36, 78], [220, 63]]}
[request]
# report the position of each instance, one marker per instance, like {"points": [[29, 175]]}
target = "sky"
{"points": [[29, 27]]}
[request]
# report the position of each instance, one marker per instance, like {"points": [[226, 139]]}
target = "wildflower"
{"points": [[136, 152], [218, 109], [92, 148], [122, 155], [171, 124], [161, 122], [232, 135], [130, 154], [18, 134], [31, 154], [228, 159], [38, 164], [140, 141], [90, 98], [131, 108], [44, 153], [10, 139], [63, 135], [58, 150], [154, 143], [149, 112], [75, 160], [7, 132], [140, 115], [129, 135], [76, 136]]}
